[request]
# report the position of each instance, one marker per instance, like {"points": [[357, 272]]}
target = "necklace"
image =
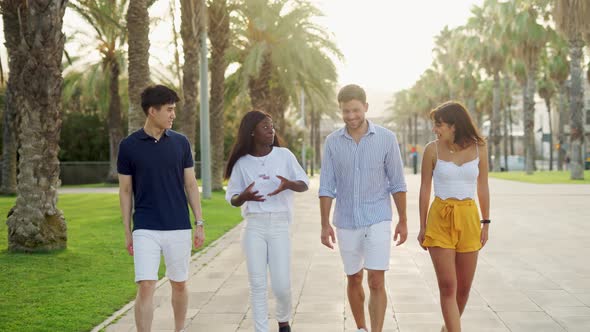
{"points": [[262, 160], [451, 150]]}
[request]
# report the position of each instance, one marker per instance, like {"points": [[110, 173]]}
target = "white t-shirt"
{"points": [[263, 172]]}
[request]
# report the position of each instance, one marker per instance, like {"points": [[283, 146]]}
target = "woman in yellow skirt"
{"points": [[452, 230]]}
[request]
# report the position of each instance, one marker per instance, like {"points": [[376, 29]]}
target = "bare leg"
{"points": [[356, 298], [377, 299], [465, 266], [444, 266], [179, 303], [144, 305]]}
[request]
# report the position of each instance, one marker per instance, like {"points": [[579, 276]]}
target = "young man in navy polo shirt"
{"points": [[155, 166]]}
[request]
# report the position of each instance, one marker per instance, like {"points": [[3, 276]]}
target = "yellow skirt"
{"points": [[453, 224]]}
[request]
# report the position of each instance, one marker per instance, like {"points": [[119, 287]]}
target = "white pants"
{"points": [[265, 241]]}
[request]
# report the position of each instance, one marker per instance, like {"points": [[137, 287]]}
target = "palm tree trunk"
{"points": [[548, 103], [561, 126], [115, 123], [576, 110], [259, 87], [219, 36], [35, 223], [138, 21], [318, 141], [9, 143], [472, 110], [15, 64], [495, 123], [189, 29], [277, 105], [529, 121]]}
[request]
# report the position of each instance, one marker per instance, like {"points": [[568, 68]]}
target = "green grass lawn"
{"points": [[77, 288], [542, 177]]}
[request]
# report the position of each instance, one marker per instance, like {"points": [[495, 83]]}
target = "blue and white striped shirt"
{"points": [[361, 176]]}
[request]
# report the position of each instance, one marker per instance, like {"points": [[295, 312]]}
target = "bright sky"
{"points": [[387, 44]]}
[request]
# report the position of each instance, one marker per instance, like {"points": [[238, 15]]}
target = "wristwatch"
{"points": [[199, 222]]}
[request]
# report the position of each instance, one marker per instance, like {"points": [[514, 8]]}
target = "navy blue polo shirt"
{"points": [[157, 173]]}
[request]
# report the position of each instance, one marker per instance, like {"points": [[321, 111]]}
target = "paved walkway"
{"points": [[531, 275]]}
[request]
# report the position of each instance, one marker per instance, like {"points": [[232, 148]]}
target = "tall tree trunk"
{"points": [[529, 121], [495, 122], [115, 123], [12, 35], [259, 87], [576, 111], [177, 66], [506, 136], [548, 104], [9, 141], [561, 126], [219, 36], [472, 110], [189, 31], [311, 140], [318, 141], [35, 223], [277, 105], [138, 21]]}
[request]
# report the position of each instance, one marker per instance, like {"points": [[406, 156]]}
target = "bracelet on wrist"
{"points": [[486, 221]]}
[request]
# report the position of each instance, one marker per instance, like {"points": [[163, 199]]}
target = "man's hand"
{"points": [[284, 185], [401, 232], [129, 243], [199, 236], [328, 237]]}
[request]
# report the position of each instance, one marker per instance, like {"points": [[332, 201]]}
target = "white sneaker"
{"points": [[361, 330]]}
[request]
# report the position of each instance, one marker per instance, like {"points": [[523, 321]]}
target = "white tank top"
{"points": [[454, 181]]}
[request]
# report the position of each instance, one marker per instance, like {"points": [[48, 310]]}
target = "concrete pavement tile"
{"points": [[197, 327], [211, 319], [225, 304], [196, 300], [416, 307], [311, 307], [575, 285], [529, 322], [317, 318], [510, 301], [583, 297], [121, 327], [549, 298]]}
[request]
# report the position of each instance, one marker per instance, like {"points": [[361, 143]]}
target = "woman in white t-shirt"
{"points": [[262, 178], [452, 231]]}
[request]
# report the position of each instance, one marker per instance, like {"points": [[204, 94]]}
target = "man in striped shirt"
{"points": [[361, 167]]}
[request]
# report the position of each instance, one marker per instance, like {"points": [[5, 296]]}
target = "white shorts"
{"points": [[366, 247], [149, 245]]}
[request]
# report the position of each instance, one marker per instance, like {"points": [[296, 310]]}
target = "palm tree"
{"points": [[559, 69], [547, 91], [282, 52], [107, 19], [219, 35], [571, 18], [35, 45], [488, 26], [138, 52], [530, 39], [190, 15], [9, 137]]}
